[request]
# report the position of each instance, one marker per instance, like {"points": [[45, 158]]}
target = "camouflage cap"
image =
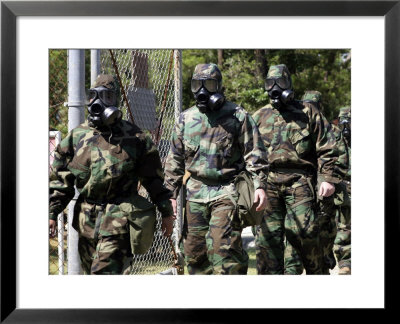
{"points": [[109, 81], [207, 71], [344, 112], [311, 95], [106, 80], [277, 71]]}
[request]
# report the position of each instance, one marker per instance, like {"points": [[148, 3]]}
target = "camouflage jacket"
{"points": [[105, 167], [343, 164], [298, 138], [214, 148]]}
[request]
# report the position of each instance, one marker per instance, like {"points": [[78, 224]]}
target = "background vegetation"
{"points": [[58, 88], [244, 72]]}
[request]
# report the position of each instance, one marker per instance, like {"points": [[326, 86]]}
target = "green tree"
{"points": [[58, 91], [327, 71], [58, 88]]}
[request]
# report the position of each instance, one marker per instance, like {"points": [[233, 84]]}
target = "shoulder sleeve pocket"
{"points": [[300, 140]]}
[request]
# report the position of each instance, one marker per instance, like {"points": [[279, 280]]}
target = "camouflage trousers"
{"points": [[342, 244], [212, 241], [293, 264], [105, 255], [290, 213], [327, 233], [328, 230]]}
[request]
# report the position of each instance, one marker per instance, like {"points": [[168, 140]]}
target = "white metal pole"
{"points": [[76, 116], [94, 65]]}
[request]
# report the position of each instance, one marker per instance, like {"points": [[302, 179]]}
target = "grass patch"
{"points": [[149, 269], [53, 255], [252, 270]]}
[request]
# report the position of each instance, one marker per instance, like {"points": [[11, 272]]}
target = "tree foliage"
{"points": [[326, 70], [58, 88]]}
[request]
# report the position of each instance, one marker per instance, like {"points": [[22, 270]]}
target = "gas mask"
{"points": [[345, 126], [206, 86], [279, 91], [207, 95], [345, 122], [278, 84], [102, 107]]}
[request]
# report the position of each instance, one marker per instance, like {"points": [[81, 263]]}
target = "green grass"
{"points": [[146, 269], [154, 268], [53, 256], [252, 270]]}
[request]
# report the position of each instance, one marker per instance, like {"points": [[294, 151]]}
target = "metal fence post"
{"points": [[76, 116], [178, 110], [94, 65]]}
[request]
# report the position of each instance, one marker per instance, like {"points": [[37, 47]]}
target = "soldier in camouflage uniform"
{"points": [[312, 96], [342, 243], [105, 158], [326, 213], [300, 145], [214, 141]]}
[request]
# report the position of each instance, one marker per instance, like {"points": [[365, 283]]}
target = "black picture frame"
{"points": [[10, 10]]}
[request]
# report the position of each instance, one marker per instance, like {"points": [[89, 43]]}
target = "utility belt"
{"points": [[100, 211], [212, 182], [141, 217], [104, 202], [305, 171], [290, 176]]}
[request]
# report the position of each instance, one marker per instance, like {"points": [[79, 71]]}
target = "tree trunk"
{"points": [[261, 64], [331, 61], [220, 58]]}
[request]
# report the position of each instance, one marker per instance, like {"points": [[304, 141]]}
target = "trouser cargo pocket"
{"points": [[141, 216]]}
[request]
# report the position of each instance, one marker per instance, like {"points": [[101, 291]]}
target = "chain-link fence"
{"points": [[57, 245], [147, 97], [150, 96]]}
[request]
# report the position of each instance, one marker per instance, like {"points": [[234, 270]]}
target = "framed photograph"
{"points": [[371, 29]]}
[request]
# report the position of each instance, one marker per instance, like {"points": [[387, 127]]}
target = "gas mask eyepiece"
{"points": [[105, 95], [281, 82], [210, 85]]}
